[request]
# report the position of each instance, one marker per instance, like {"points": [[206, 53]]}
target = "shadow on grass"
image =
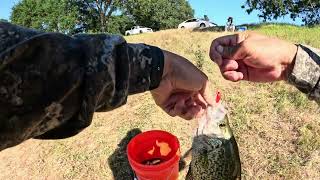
{"points": [[182, 162], [210, 29], [118, 161]]}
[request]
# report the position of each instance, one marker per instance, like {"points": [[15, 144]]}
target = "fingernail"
{"points": [[220, 49]]}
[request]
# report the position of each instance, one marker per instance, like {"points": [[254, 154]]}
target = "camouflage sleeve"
{"points": [[306, 72], [51, 84]]}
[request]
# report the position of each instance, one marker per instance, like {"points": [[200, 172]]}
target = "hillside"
{"points": [[277, 128]]}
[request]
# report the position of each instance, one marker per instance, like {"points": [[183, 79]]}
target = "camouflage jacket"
{"points": [[305, 74], [51, 84]]}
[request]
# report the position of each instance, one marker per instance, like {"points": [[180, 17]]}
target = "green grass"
{"points": [[296, 34]]}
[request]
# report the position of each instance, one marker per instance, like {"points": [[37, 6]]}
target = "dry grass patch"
{"points": [[277, 128]]}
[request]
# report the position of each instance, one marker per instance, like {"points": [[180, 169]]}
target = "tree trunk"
{"points": [[103, 23]]}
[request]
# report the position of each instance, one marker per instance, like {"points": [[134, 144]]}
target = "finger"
{"points": [[187, 116], [198, 112], [191, 102], [173, 99], [229, 65], [169, 106], [244, 69], [216, 45], [180, 108], [170, 111], [237, 52], [205, 93], [233, 76], [176, 104], [200, 101], [192, 112]]}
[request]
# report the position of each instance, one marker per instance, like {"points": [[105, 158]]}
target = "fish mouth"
{"points": [[214, 123], [213, 133]]}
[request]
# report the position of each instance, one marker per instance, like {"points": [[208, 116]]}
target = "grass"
{"points": [[277, 127]]}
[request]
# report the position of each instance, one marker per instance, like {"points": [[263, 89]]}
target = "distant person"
{"points": [[230, 27], [206, 18], [257, 58], [51, 84]]}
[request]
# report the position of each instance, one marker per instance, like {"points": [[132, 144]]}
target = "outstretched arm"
{"points": [[51, 84]]}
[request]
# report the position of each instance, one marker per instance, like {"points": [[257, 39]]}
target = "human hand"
{"points": [[253, 57], [183, 90]]}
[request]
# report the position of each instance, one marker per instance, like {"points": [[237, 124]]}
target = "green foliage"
{"points": [[309, 140], [96, 16], [308, 10], [70, 16], [119, 24], [88, 17], [49, 15], [159, 14], [200, 58]]}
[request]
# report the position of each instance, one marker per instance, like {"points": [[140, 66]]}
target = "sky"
{"points": [[5, 8], [217, 10]]}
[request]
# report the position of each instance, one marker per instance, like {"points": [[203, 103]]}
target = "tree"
{"points": [[48, 15], [96, 16], [119, 24], [66, 16], [158, 14], [101, 10], [3, 20], [308, 10]]}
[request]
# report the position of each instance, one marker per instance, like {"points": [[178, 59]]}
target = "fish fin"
{"points": [[237, 170], [187, 154], [189, 174]]}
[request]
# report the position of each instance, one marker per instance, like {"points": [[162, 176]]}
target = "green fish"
{"points": [[215, 153]]}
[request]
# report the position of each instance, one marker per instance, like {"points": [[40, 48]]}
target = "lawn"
{"points": [[277, 127]]}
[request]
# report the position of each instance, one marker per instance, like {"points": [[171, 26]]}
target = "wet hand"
{"points": [[184, 89]]}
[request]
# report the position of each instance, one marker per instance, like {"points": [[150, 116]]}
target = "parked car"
{"points": [[196, 23], [138, 30], [242, 28]]}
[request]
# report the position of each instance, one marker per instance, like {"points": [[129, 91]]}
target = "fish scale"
{"points": [[215, 153]]}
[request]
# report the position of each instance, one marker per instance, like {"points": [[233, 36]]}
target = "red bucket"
{"points": [[151, 145]]}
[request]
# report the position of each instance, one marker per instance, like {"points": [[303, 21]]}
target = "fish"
{"points": [[215, 153]]}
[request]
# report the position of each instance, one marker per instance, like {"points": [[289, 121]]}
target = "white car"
{"points": [[138, 30], [196, 23]]}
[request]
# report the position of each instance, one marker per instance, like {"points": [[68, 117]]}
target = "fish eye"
{"points": [[222, 125]]}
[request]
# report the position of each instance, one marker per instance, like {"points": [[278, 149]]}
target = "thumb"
{"points": [[231, 52]]}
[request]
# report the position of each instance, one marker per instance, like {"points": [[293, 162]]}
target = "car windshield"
{"points": [[192, 20]]}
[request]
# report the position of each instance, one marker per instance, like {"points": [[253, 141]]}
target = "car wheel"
{"points": [[182, 27], [128, 34], [202, 25], [141, 32]]}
